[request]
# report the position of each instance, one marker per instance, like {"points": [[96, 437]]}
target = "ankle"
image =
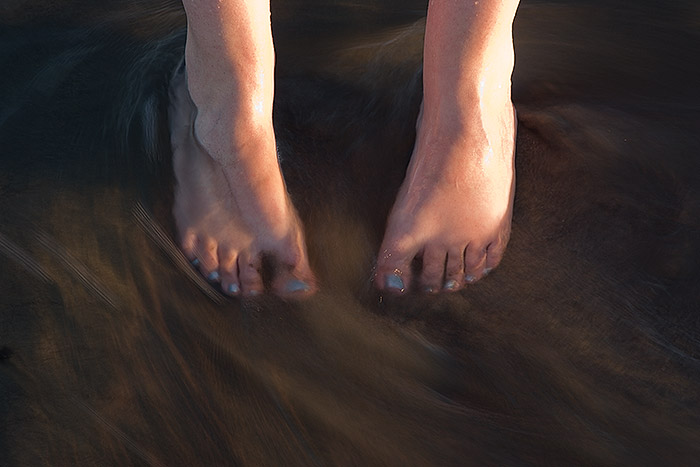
{"points": [[229, 135], [461, 115]]}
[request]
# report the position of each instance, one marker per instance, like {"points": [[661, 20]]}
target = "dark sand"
{"points": [[581, 349]]}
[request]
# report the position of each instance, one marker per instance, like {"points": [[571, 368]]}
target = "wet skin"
{"points": [[231, 205], [453, 209], [223, 238]]}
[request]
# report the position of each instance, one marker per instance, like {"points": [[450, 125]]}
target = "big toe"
{"points": [[293, 277], [290, 285], [394, 270]]}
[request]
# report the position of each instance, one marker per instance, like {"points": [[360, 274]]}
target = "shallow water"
{"points": [[582, 348]]}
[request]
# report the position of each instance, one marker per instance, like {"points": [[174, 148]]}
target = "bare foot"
{"points": [[229, 216], [455, 205]]}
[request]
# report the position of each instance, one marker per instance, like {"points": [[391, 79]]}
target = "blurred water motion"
{"points": [[582, 348]]}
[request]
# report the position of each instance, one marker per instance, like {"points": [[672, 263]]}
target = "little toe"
{"points": [[474, 260], [188, 247], [249, 267], [454, 270], [433, 270], [494, 255]]}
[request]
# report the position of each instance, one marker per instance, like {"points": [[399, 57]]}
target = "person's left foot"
{"points": [[455, 205]]}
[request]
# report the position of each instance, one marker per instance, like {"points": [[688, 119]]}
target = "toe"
{"points": [[230, 288], [454, 270], [206, 253], [394, 270], [228, 269], [249, 268], [288, 285], [433, 270], [494, 254], [293, 278], [474, 260], [188, 246]]}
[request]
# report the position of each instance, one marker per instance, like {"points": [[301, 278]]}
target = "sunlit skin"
{"points": [[453, 209], [231, 204]]}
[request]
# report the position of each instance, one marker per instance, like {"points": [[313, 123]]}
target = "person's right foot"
{"points": [[228, 215]]}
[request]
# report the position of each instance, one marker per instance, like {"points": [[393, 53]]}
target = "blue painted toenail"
{"points": [[233, 289], [487, 271], [451, 285], [470, 278], [394, 282], [296, 285], [252, 293], [428, 289], [195, 262], [213, 276]]}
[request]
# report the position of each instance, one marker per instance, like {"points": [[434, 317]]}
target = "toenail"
{"points": [[470, 278], [252, 293], [296, 285], [487, 271], [451, 285], [233, 289], [395, 282], [428, 289], [195, 262], [213, 276]]}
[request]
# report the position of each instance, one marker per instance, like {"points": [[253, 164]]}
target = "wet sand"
{"points": [[582, 348]]}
